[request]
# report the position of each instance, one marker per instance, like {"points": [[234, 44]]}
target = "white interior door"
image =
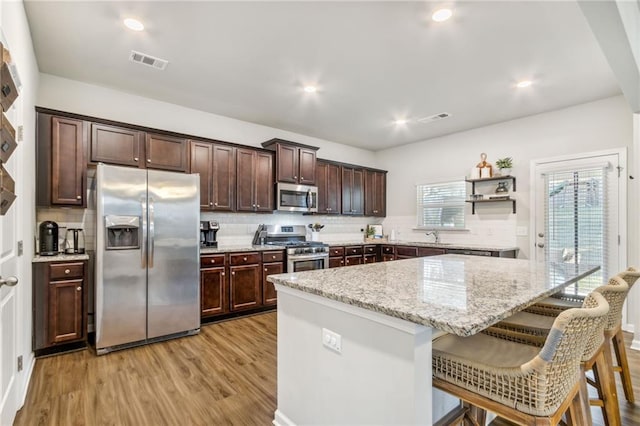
{"points": [[580, 213], [9, 270]]}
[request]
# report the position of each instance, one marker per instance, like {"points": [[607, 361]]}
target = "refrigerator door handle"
{"points": [[151, 232], [143, 246]]}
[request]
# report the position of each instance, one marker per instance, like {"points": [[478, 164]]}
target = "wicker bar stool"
{"points": [[521, 383], [557, 303], [525, 326]]}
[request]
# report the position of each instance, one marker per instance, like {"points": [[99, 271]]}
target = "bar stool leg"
{"points": [[606, 380], [584, 396], [623, 363]]}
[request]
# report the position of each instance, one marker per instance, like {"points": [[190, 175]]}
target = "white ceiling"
{"points": [[373, 61]]}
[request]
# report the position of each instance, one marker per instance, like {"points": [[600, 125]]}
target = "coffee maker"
{"points": [[48, 236], [208, 231], [74, 241]]}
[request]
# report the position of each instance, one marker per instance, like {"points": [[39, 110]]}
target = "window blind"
{"points": [[441, 205], [575, 222]]}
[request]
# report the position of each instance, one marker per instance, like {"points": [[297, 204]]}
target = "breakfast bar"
{"points": [[354, 344]]}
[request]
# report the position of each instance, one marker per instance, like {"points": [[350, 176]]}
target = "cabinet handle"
{"points": [[78, 197], [301, 178], [244, 258], [295, 177], [347, 262], [215, 204], [135, 158], [213, 261], [211, 204], [148, 160], [258, 205], [273, 256], [342, 262], [233, 272], [66, 271], [78, 288], [222, 274], [265, 269]]}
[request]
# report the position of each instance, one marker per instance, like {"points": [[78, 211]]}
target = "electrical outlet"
{"points": [[332, 340], [522, 231]]}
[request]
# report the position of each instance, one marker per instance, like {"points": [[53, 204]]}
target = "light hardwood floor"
{"points": [[226, 375]]}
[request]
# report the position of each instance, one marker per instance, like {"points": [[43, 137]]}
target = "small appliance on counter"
{"points": [[208, 231], [74, 241], [48, 237]]}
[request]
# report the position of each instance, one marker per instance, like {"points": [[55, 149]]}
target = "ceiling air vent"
{"points": [[144, 59], [435, 117]]}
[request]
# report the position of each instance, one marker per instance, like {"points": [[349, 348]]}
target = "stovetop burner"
{"points": [[292, 237]]}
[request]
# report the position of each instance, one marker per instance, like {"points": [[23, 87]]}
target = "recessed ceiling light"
{"points": [[524, 83], [133, 24], [310, 89], [442, 15], [401, 121]]}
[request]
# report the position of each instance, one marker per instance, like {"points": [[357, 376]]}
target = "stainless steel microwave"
{"points": [[297, 198]]}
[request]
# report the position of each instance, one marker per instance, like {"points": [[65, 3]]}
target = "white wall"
{"points": [[593, 126], [16, 31], [88, 99]]}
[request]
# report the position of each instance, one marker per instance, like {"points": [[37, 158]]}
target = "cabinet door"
{"points": [[353, 260], [264, 182], [116, 145], [269, 294], [245, 178], [202, 163], [322, 184], [388, 257], [357, 192], [213, 292], [287, 157], [336, 262], [166, 152], [65, 311], [224, 178], [68, 164], [244, 287], [375, 193], [334, 189], [347, 189], [307, 166], [370, 258]]}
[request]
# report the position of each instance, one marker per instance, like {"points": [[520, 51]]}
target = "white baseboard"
{"points": [[628, 328], [27, 379], [282, 420], [635, 344]]}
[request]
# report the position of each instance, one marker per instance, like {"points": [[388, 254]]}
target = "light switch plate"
{"points": [[522, 231]]}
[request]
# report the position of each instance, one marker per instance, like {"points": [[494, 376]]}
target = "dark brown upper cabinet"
{"points": [[166, 152], [295, 163], [61, 169], [216, 165], [352, 191], [254, 181], [375, 193], [116, 145], [329, 182]]}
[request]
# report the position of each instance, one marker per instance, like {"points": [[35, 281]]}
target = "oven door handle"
{"points": [[313, 256], [309, 199]]}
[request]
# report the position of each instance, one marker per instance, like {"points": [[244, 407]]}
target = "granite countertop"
{"points": [[60, 258], [423, 244], [235, 248], [454, 293]]}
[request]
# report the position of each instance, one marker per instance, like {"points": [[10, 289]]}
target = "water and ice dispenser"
{"points": [[122, 232]]}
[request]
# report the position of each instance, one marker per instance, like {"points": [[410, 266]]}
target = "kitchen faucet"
{"points": [[435, 234]]}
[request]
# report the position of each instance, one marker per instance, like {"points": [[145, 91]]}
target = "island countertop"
{"points": [[454, 293]]}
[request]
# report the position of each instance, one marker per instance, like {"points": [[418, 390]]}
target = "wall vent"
{"points": [[435, 117], [144, 59]]}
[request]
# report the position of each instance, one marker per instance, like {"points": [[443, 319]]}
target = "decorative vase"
{"points": [[504, 172], [315, 236]]}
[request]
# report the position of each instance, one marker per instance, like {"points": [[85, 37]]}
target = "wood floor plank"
{"points": [[226, 375]]}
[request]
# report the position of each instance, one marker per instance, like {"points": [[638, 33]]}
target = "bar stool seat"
{"points": [[528, 385]]}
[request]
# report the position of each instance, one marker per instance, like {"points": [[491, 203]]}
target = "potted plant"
{"points": [[504, 165], [315, 231]]}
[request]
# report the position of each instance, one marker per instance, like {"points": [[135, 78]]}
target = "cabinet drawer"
{"points": [[430, 251], [244, 258], [369, 258], [406, 251], [209, 261], [353, 250], [369, 249], [66, 270], [272, 256], [336, 251], [387, 249], [353, 260], [336, 262]]}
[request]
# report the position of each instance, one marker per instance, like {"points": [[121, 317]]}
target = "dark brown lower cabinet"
{"points": [[269, 294], [213, 292], [353, 260], [336, 262], [244, 287], [388, 257], [369, 258], [60, 304]]}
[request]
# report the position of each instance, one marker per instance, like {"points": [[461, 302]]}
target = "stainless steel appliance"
{"points": [[208, 231], [302, 255], [147, 256], [296, 198], [74, 241], [48, 237]]}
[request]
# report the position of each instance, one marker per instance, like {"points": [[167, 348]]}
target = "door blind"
{"points": [[575, 222]]}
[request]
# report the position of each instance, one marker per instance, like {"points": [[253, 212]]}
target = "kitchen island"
{"points": [[376, 367]]}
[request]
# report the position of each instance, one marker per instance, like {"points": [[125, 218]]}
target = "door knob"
{"points": [[78, 288], [540, 234], [135, 158], [541, 245], [9, 281]]}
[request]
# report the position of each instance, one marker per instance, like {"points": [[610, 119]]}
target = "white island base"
{"points": [[381, 377]]}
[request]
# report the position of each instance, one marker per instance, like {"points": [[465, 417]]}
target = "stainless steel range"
{"points": [[302, 255]]}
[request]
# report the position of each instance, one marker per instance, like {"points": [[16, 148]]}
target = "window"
{"points": [[441, 205]]}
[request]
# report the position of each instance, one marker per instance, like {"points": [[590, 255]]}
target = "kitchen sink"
{"points": [[428, 243]]}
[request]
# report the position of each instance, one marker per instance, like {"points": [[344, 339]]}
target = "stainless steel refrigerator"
{"points": [[147, 256]]}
